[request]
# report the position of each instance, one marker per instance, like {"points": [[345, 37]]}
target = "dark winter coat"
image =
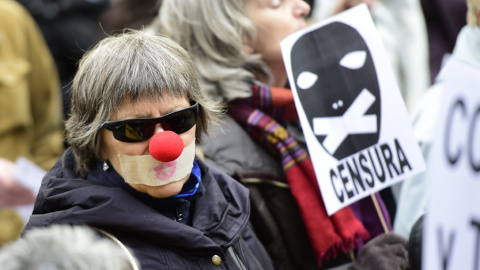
{"points": [[275, 214], [219, 220]]}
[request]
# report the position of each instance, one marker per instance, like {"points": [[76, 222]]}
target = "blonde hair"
{"points": [[473, 9], [214, 33], [132, 65]]}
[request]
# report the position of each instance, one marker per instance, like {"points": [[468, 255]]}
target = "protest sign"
{"points": [[352, 113], [452, 222]]}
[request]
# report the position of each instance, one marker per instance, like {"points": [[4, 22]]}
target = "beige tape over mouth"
{"points": [[148, 171]]}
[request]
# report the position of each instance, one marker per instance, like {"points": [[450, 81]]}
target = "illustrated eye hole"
{"points": [[354, 60], [306, 79]]}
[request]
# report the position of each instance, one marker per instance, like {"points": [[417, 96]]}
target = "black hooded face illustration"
{"points": [[337, 85]]}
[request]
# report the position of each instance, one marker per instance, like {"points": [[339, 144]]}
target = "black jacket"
{"points": [[219, 220]]}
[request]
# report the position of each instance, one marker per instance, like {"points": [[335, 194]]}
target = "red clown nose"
{"points": [[166, 146]]}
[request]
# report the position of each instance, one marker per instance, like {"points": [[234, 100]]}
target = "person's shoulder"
{"points": [[66, 164], [62, 178], [16, 23], [10, 6], [12, 9], [210, 173]]}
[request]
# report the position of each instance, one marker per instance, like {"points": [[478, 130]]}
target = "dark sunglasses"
{"points": [[142, 129]]}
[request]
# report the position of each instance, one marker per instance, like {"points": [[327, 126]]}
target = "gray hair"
{"points": [[132, 65], [472, 15], [214, 33], [60, 247]]}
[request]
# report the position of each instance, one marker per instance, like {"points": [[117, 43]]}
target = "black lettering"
{"points": [[344, 180], [471, 142], [452, 158], [476, 224], [402, 159], [340, 197], [381, 177], [362, 159], [355, 174], [445, 253], [388, 157]]}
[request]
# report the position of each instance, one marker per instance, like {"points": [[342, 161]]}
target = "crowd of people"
{"points": [[181, 147]]}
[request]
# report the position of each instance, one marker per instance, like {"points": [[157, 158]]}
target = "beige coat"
{"points": [[30, 100], [30, 96]]}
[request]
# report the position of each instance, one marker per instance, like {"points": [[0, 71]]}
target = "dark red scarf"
{"points": [[258, 115]]}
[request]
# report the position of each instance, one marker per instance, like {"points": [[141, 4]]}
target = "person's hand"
{"points": [[343, 5], [384, 252], [11, 192]]}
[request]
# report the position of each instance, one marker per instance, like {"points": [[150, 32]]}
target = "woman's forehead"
{"points": [[152, 97], [148, 107], [142, 94], [261, 3]]}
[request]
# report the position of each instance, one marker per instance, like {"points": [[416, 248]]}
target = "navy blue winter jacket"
{"points": [[219, 220]]}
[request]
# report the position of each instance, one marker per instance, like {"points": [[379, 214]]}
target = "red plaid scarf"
{"points": [[258, 114]]}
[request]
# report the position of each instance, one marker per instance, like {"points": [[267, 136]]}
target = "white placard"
{"points": [[352, 113], [452, 223]]}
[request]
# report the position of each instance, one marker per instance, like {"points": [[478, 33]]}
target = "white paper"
{"points": [[451, 227], [30, 176]]}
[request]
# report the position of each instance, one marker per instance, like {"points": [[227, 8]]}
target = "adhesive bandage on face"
{"points": [[148, 171]]}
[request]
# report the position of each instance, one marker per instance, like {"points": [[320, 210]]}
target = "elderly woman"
{"points": [[137, 112], [235, 45]]}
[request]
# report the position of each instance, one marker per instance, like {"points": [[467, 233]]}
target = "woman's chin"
{"points": [[163, 191]]}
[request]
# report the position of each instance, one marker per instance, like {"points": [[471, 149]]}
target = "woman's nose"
{"points": [[302, 8], [158, 128]]}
